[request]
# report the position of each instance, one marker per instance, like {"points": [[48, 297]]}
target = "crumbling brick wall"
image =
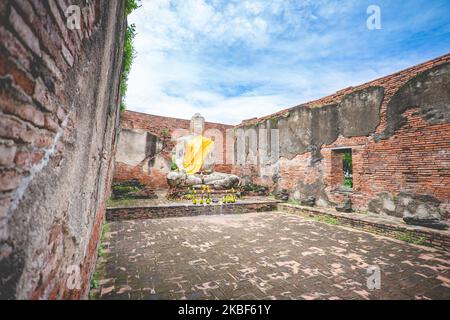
{"points": [[398, 128], [149, 160], [59, 100]]}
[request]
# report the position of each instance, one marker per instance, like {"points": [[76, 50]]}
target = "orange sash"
{"points": [[197, 149]]}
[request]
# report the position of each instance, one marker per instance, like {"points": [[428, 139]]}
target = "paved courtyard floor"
{"points": [[263, 256]]}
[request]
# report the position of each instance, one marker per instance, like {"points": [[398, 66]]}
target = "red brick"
{"points": [[16, 49], [7, 154], [23, 110], [67, 55], [45, 29], [36, 157], [50, 124], [25, 33], [22, 159], [4, 207], [43, 96], [11, 128], [21, 78], [50, 64], [9, 180]]}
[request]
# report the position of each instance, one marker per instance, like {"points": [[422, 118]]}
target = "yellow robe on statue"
{"points": [[196, 151]]}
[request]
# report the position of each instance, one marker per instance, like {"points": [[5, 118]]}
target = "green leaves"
{"points": [[129, 52], [130, 6]]}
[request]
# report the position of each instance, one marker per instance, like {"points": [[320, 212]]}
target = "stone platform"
{"points": [[187, 209]]}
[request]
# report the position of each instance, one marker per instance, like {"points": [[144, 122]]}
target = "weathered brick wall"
{"points": [[398, 128], [151, 165], [59, 102]]}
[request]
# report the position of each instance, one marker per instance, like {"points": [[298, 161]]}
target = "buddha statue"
{"points": [[195, 161]]}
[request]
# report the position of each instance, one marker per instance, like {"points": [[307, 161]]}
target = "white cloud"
{"points": [[233, 60]]}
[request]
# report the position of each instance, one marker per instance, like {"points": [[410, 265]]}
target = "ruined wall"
{"points": [[145, 145], [59, 114], [397, 127]]}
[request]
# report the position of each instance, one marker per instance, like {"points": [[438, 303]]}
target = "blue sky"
{"points": [[233, 60]]}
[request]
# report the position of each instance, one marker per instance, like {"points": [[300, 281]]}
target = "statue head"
{"points": [[197, 124]]}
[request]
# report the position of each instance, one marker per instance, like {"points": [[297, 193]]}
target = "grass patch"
{"points": [[101, 248], [120, 202], [126, 190], [94, 284], [348, 182], [326, 219], [105, 230], [408, 236], [94, 281]]}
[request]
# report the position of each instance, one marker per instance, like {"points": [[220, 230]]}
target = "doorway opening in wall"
{"points": [[342, 169]]}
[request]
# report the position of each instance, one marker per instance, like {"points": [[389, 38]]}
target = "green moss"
{"points": [[255, 188], [286, 114], [294, 202], [274, 122]]}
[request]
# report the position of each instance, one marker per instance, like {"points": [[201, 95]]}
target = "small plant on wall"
{"points": [[129, 51], [165, 133]]}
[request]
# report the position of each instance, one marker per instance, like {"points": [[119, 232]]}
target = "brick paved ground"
{"points": [[262, 256]]}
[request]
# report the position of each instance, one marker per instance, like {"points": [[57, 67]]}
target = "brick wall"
{"points": [[58, 123], [153, 167], [413, 158]]}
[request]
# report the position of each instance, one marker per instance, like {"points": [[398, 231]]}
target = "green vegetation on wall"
{"points": [[348, 169], [129, 52]]}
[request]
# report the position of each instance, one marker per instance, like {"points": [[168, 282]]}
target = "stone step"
{"points": [[215, 194]]}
